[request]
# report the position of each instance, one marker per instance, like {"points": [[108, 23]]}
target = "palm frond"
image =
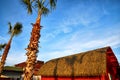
{"points": [[10, 28], [45, 11], [53, 4], [42, 7], [28, 5], [2, 46], [39, 5], [17, 28]]}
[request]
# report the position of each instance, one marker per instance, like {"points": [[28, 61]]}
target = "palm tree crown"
{"points": [[16, 29], [42, 6]]}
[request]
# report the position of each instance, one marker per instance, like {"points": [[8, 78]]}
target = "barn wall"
{"points": [[75, 78], [112, 65]]}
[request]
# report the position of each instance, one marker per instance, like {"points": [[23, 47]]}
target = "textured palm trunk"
{"points": [[4, 56], [32, 50]]}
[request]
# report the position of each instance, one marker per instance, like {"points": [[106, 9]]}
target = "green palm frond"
{"points": [[38, 4], [17, 28], [43, 6], [10, 28], [45, 11], [53, 4], [28, 5], [2, 46]]}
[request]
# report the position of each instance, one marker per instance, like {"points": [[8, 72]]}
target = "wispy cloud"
{"points": [[15, 58], [2, 39], [76, 43], [55, 54], [78, 46], [74, 17]]}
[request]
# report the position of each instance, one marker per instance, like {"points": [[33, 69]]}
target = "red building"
{"points": [[99, 64], [36, 69], [15, 72]]}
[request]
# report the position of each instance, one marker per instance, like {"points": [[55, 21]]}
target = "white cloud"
{"points": [[81, 40], [77, 46], [113, 41], [15, 57], [55, 54], [75, 18]]}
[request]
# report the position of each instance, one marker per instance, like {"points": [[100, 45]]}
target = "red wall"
{"points": [[112, 64], [75, 78]]}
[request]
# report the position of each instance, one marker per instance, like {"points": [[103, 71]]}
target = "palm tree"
{"points": [[43, 7], [13, 31]]}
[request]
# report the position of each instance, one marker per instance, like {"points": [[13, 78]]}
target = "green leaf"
{"points": [[2, 46], [17, 28], [45, 11], [28, 5], [53, 4], [10, 28]]}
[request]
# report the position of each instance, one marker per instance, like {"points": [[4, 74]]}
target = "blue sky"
{"points": [[75, 26]]}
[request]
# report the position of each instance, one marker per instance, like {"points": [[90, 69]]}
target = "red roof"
{"points": [[37, 66]]}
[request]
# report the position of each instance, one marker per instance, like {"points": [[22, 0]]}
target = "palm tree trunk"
{"points": [[32, 50], [4, 56]]}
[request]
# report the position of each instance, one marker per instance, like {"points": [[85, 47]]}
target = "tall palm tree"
{"points": [[13, 31], [43, 7]]}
